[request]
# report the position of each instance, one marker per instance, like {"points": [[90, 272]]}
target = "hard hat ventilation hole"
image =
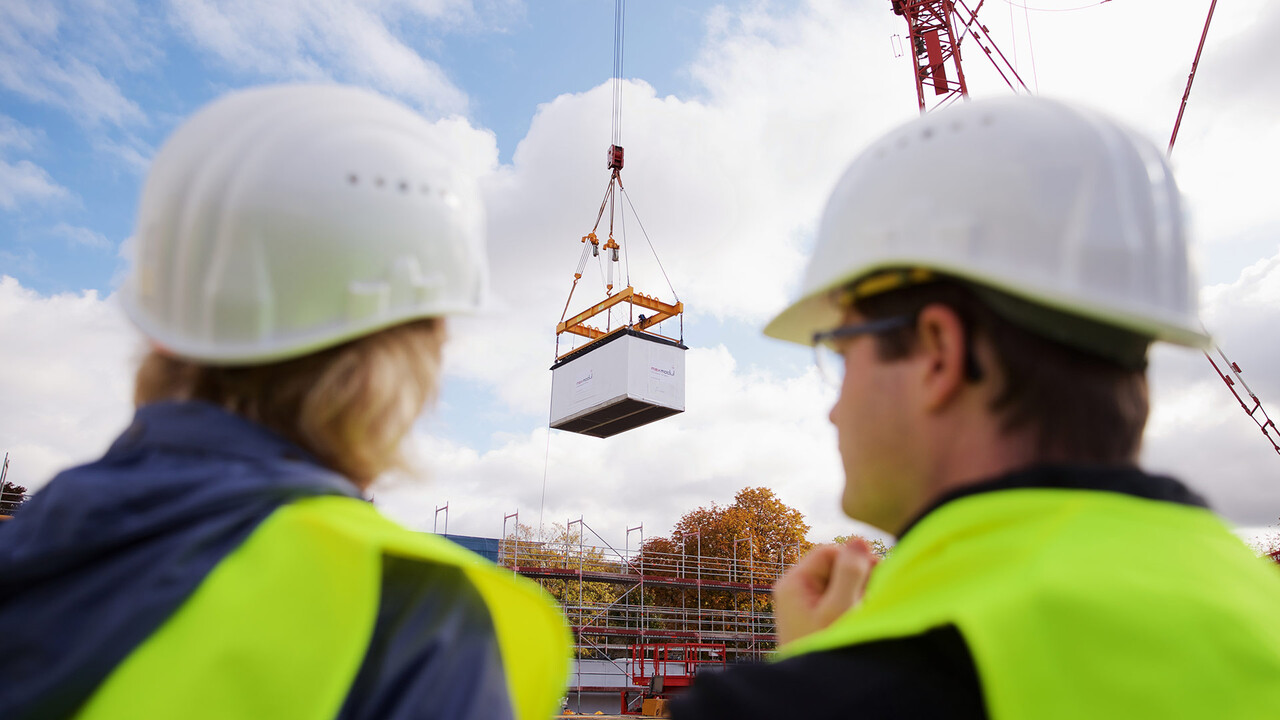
{"points": [[379, 182], [956, 126], [404, 186], [926, 133], [353, 178]]}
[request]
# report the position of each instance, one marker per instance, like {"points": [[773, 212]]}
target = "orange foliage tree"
{"points": [[757, 525], [746, 542]]}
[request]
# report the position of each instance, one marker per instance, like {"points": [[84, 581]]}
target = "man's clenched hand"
{"points": [[826, 582]]}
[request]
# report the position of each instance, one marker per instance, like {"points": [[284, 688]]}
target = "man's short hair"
{"points": [[349, 405], [1080, 405]]}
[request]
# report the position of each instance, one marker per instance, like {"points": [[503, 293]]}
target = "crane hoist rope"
{"points": [[593, 245], [619, 41]]}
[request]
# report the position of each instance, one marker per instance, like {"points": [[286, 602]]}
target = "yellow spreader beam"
{"points": [[662, 311]]}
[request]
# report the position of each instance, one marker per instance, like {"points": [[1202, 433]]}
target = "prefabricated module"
{"points": [[621, 379], [624, 375]]}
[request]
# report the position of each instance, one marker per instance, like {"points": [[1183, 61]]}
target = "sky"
{"points": [[738, 117]]}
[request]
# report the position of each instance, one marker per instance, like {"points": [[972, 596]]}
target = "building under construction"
{"points": [[646, 622]]}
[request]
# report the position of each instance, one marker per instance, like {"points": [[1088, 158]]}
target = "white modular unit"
{"points": [[617, 383]]}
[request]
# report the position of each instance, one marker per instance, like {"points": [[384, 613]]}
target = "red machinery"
{"points": [[935, 30], [663, 668]]}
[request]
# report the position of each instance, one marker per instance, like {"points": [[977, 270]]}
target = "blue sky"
{"points": [[508, 63], [738, 117]]}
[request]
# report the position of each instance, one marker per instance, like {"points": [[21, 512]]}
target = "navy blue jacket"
{"points": [[100, 558]]}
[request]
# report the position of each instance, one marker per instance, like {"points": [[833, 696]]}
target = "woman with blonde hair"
{"points": [[297, 249]]}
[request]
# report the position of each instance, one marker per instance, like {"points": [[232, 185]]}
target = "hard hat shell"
{"points": [[281, 220], [1049, 203]]}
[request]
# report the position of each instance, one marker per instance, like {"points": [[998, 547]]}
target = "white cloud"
{"points": [[133, 152], [25, 181], [66, 379], [124, 256], [744, 427], [1230, 72], [15, 135], [52, 54], [747, 427], [729, 186], [82, 236], [25, 261], [1135, 67], [72, 57], [329, 39], [1198, 431]]}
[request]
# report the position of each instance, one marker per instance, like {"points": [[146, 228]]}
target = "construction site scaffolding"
{"points": [[653, 598]]}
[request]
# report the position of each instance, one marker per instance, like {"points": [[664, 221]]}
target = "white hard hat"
{"points": [[1051, 204], [282, 220]]}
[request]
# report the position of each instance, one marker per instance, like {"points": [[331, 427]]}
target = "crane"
{"points": [[936, 29]]}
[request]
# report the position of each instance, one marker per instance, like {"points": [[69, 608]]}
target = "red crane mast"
{"points": [[935, 30], [934, 48]]}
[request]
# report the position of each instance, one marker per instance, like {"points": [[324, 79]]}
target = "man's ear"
{"points": [[940, 345]]}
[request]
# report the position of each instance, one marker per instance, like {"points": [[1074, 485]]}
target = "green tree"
{"points": [[589, 606], [877, 546], [562, 549]]}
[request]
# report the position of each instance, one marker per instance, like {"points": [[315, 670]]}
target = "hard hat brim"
{"points": [[818, 310]]}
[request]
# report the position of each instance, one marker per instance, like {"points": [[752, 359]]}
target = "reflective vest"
{"points": [[280, 628], [1083, 604]]}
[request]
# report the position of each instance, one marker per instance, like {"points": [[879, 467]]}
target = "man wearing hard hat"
{"points": [[984, 288], [297, 249]]}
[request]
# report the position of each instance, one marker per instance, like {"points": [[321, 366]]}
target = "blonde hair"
{"points": [[349, 405]]}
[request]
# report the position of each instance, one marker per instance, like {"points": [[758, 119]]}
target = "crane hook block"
{"points": [[615, 157]]}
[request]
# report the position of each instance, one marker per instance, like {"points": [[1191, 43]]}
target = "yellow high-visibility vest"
{"points": [[279, 629], [1083, 604]]}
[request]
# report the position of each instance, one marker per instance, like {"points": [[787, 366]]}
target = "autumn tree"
{"points": [[659, 556], [757, 526], [11, 497], [745, 542]]}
